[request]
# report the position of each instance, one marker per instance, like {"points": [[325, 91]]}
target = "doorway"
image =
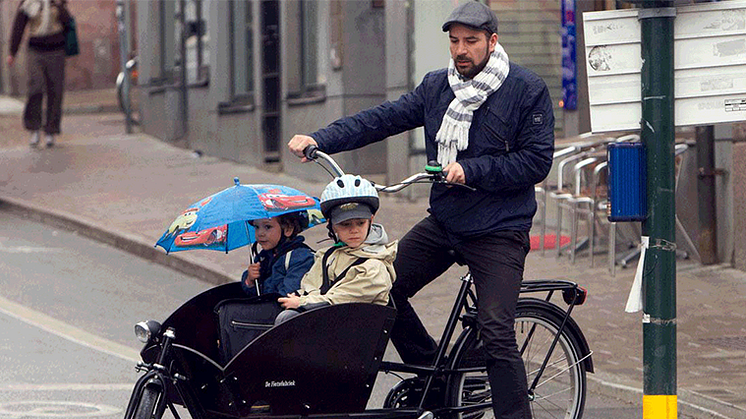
{"points": [[270, 77]]}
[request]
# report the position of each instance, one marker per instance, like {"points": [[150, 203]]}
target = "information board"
{"points": [[709, 66]]}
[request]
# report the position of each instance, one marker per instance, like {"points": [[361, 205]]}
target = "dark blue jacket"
{"points": [[274, 276], [511, 142]]}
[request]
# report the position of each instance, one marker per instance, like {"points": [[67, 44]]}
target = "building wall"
{"points": [[362, 78], [737, 176], [399, 18], [530, 33], [196, 123], [237, 134], [354, 83], [300, 118], [97, 65]]}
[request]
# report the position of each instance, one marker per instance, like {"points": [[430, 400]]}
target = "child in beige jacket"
{"points": [[359, 266]]}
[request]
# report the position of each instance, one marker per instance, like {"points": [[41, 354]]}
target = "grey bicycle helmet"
{"points": [[352, 190]]}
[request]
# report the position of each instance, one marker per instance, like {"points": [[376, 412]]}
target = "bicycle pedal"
{"points": [[426, 415]]}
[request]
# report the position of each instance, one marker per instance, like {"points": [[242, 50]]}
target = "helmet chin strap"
{"points": [[331, 234]]}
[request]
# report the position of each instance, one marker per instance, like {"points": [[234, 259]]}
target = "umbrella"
{"points": [[221, 221]]}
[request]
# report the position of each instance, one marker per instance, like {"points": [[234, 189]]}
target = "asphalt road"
{"points": [[67, 306]]}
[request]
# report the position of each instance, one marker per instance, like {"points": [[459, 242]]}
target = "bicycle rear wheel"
{"points": [[560, 391]]}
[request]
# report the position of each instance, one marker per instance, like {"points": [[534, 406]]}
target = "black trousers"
{"points": [[496, 262], [46, 77]]}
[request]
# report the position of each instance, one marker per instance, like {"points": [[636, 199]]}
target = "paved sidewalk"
{"points": [[126, 189]]}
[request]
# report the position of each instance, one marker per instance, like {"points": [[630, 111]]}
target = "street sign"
{"points": [[709, 66]]}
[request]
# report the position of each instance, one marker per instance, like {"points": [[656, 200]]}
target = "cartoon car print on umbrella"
{"points": [[183, 221], [205, 237], [221, 221], [275, 200]]}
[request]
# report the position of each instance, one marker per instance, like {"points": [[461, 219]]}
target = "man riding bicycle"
{"points": [[490, 123]]}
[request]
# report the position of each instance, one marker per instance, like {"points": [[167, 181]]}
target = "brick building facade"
{"points": [[97, 65]]}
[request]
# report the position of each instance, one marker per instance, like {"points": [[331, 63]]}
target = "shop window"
{"points": [[197, 42], [167, 46], [302, 49], [242, 62], [192, 24]]}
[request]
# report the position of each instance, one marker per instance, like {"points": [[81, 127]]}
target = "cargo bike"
{"points": [[324, 363]]}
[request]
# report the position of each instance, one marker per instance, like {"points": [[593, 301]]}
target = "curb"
{"points": [[690, 404], [90, 109], [122, 241], [15, 107]]}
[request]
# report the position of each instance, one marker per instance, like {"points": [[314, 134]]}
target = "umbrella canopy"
{"points": [[221, 221]]}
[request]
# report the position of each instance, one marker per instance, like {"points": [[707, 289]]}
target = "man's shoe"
{"points": [[49, 140], [34, 141]]}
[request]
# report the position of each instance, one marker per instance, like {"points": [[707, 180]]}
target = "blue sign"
{"points": [[569, 59]]}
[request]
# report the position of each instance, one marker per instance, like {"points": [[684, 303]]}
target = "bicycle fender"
{"points": [[574, 330], [150, 379]]}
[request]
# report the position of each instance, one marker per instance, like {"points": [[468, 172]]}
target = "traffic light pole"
{"points": [[659, 276]]}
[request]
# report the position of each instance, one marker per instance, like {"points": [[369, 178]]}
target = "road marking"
{"points": [[66, 331], [28, 249], [55, 409]]}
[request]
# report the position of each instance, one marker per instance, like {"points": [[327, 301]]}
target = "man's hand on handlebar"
{"points": [[455, 173], [299, 143]]}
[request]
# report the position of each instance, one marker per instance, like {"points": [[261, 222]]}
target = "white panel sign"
{"points": [[709, 66]]}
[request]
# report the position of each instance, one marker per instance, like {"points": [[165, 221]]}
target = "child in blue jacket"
{"points": [[284, 258]]}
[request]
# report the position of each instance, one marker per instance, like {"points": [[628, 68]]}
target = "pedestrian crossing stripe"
{"points": [[659, 407]]}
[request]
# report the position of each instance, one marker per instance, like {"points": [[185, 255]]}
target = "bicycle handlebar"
{"points": [[433, 172]]}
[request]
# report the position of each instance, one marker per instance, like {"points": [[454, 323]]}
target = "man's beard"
{"points": [[471, 73]]}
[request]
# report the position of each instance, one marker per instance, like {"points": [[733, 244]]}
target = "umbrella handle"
{"points": [[252, 255]]}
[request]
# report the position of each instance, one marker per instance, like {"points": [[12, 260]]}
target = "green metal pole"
{"points": [[659, 276]]}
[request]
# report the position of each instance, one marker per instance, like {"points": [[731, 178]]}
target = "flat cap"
{"points": [[474, 14]]}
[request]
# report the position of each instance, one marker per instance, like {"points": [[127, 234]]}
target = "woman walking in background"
{"points": [[46, 21]]}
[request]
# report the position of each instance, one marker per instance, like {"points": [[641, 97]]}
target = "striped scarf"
{"points": [[453, 135]]}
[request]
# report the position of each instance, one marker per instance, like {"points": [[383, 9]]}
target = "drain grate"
{"points": [[729, 342]]}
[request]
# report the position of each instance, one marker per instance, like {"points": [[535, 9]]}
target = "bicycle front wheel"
{"points": [[560, 390]]}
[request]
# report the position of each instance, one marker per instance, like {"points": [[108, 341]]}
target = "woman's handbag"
{"points": [[71, 38]]}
